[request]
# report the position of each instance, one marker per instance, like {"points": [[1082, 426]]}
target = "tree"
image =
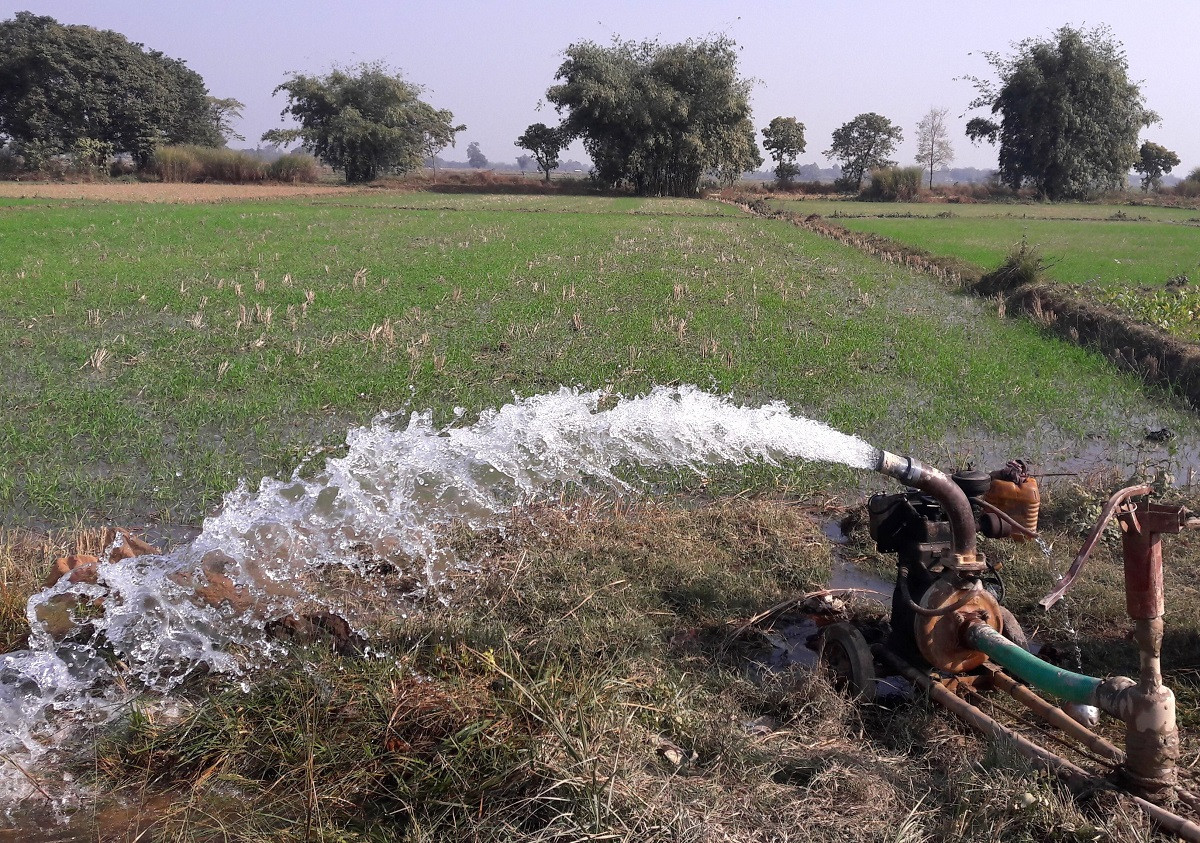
{"points": [[784, 139], [863, 144], [1154, 161], [436, 136], [475, 156], [224, 112], [364, 121], [62, 86], [523, 162], [658, 117], [933, 141], [545, 142], [1069, 116]]}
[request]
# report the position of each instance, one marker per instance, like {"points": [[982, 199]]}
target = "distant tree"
{"points": [[1069, 116], [436, 136], [933, 141], [475, 156], [363, 121], [63, 85], [224, 112], [1154, 161], [545, 142], [784, 139], [658, 117], [863, 144], [523, 161]]}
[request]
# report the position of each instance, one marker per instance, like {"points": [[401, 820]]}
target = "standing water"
{"points": [[148, 622]]}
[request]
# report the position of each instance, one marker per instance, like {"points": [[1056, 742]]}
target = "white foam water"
{"points": [[148, 622]]}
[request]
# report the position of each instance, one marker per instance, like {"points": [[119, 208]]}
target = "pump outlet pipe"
{"points": [[1067, 686], [1148, 710], [954, 501]]}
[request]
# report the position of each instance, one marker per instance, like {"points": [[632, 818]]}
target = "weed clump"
{"points": [[295, 168], [1024, 265], [894, 184], [188, 163]]}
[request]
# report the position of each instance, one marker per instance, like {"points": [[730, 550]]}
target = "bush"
{"points": [[1024, 265], [89, 156], [1188, 189], [1190, 186], [121, 166], [11, 164], [294, 168], [894, 184], [229, 165], [175, 164], [187, 163]]}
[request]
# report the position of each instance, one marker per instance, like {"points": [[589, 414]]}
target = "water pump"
{"points": [[951, 636], [931, 528]]}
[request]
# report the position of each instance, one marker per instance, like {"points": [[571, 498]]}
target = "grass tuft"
{"points": [[1024, 265]]}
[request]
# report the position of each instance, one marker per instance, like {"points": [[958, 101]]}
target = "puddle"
{"points": [[848, 575], [795, 637], [833, 532], [1147, 445]]}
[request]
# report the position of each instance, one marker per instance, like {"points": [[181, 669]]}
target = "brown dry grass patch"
{"points": [[25, 560]]}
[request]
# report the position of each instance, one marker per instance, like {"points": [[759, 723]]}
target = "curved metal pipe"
{"points": [[917, 608], [1110, 509], [954, 501]]}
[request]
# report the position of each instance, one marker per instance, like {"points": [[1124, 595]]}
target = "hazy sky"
{"points": [[821, 61]]}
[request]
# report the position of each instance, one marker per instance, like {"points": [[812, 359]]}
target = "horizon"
{"points": [[491, 66]]}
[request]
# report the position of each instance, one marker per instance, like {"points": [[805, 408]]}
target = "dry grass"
{"points": [[167, 193], [584, 686], [25, 560]]}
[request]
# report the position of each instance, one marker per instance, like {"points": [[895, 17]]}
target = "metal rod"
{"points": [[1043, 730], [1056, 717], [1008, 519], [1089, 543]]}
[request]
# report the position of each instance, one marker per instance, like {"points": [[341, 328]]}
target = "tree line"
{"points": [[656, 119]]}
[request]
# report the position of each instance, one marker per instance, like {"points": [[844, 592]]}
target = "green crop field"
{"points": [[850, 208], [1144, 261], [529, 202], [156, 353]]}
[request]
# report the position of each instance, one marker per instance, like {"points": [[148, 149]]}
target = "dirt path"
{"points": [[163, 192]]}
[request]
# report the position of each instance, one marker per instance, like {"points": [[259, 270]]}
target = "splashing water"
{"points": [[146, 623], [1068, 627]]}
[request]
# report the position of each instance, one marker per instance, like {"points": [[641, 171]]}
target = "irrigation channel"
{"points": [[133, 629]]}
